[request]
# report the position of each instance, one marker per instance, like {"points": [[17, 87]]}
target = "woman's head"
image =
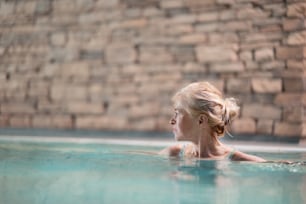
{"points": [[202, 99]]}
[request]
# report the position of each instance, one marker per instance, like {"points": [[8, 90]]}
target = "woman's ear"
{"points": [[203, 119]]}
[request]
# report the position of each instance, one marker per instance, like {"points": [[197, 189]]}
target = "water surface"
{"points": [[98, 173]]}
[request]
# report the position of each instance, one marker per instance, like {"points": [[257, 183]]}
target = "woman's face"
{"points": [[183, 125]]}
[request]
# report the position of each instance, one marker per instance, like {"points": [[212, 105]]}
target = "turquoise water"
{"points": [[98, 173]]}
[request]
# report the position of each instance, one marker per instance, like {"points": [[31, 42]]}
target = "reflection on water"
{"points": [[241, 182]]}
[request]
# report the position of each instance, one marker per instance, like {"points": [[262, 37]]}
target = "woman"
{"points": [[201, 116]]}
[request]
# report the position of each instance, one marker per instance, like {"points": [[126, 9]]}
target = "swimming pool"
{"points": [[103, 171]]}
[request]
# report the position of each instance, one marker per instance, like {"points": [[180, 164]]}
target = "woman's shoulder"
{"points": [[179, 150], [172, 151]]}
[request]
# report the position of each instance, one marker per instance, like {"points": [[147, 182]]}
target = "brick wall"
{"points": [[114, 64]]}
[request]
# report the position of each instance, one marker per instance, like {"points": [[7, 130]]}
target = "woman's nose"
{"points": [[172, 121]]}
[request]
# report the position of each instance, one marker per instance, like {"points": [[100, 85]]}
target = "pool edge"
{"points": [[156, 142]]}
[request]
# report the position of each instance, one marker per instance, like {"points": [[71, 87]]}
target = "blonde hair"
{"points": [[203, 98]]}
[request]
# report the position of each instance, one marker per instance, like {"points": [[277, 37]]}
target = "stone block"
{"points": [[297, 38], [208, 17], [207, 27], [136, 3], [20, 121], [4, 120], [144, 110], [294, 84], [273, 65], [296, 64], [251, 65], [63, 54], [96, 92], [7, 8], [171, 4], [246, 56], [215, 53], [244, 126], [227, 68], [261, 38], [218, 83], [125, 101], [287, 129], [40, 121], [120, 53], [88, 18], [107, 4], [15, 89], [293, 24], [85, 5], [81, 107], [101, 122], [43, 7], [27, 8], [219, 38], [192, 39], [191, 67], [91, 54], [155, 54], [252, 13], [197, 4], [288, 99], [270, 28], [265, 85], [145, 124], [132, 13], [238, 86], [227, 15], [264, 54], [68, 92], [226, 2], [49, 70], [17, 108], [293, 114], [134, 23], [63, 6], [45, 106], [79, 71], [52, 121], [62, 121], [183, 53], [127, 88], [297, 10], [238, 26], [261, 111], [264, 126], [58, 39], [152, 11], [183, 19]]}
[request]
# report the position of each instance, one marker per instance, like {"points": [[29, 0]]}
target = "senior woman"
{"points": [[201, 116]]}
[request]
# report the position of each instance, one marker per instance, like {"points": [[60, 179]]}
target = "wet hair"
{"points": [[203, 98]]}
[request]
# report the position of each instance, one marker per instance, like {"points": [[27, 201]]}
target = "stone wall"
{"points": [[114, 64]]}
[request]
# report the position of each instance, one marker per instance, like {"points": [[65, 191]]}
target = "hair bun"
{"points": [[231, 110]]}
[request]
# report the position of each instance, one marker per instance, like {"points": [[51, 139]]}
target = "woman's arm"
{"points": [[240, 156]]}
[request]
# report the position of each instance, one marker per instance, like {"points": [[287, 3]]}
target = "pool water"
{"points": [[33, 172]]}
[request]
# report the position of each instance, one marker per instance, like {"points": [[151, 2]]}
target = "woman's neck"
{"points": [[210, 147]]}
